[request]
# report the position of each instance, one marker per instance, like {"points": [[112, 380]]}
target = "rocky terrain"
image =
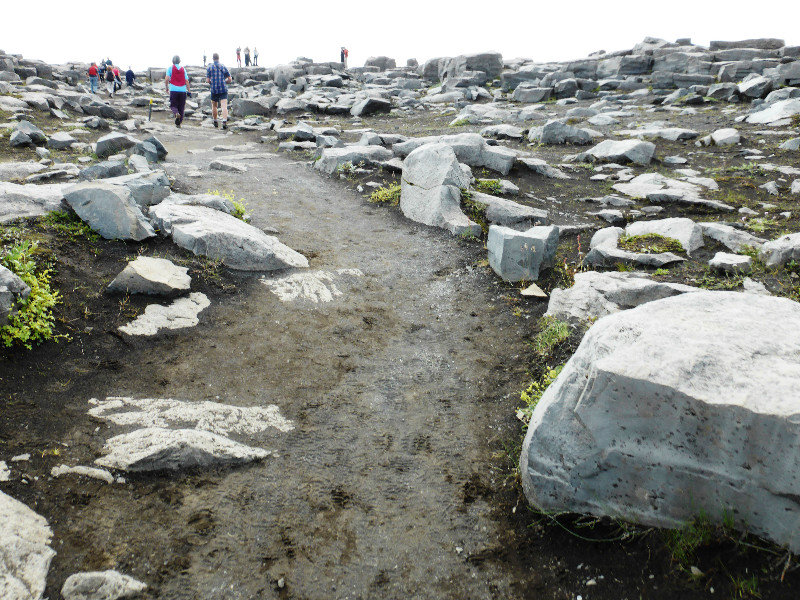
{"points": [[471, 328]]}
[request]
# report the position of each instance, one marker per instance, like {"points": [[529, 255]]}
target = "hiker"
{"points": [[110, 84], [177, 84], [345, 54], [239, 56], [102, 70], [247, 56], [255, 56], [204, 59], [92, 74], [217, 76], [130, 76]]}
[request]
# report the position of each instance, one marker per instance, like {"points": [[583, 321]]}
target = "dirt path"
{"points": [[396, 388]]}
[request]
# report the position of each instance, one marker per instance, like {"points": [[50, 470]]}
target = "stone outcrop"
{"points": [[674, 408]]}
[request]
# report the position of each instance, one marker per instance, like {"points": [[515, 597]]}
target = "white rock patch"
{"points": [[210, 416], [180, 314], [316, 286], [91, 472]]}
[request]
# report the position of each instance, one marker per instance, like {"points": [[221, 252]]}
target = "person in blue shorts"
{"points": [[217, 76]]}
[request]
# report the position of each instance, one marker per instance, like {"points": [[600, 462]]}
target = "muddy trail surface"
{"points": [[395, 365], [388, 370]]}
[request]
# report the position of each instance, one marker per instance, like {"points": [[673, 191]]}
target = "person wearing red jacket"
{"points": [[92, 74], [177, 84]]}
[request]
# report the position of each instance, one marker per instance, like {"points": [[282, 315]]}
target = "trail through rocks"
{"points": [[383, 382]]}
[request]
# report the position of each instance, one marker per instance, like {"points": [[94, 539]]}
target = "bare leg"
{"points": [[224, 104], [214, 110]]}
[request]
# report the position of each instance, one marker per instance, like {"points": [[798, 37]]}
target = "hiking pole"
{"points": [[150, 112]]}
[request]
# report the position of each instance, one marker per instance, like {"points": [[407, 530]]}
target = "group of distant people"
{"points": [[247, 61], [109, 73], [176, 82]]}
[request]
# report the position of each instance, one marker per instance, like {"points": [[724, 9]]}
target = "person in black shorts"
{"points": [[217, 76]]}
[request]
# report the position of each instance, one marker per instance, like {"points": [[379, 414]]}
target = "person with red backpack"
{"points": [[92, 73], [177, 84]]}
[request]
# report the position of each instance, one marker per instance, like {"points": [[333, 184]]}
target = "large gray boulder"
{"points": [[12, 290], [245, 107], [596, 295], [35, 134], [146, 188], [509, 213], [60, 140], [470, 149], [521, 255], [558, 132], [382, 63], [113, 143], [147, 275], [101, 585], [604, 252], [218, 235], [109, 210], [103, 170], [334, 158], [677, 395], [778, 252], [157, 449], [624, 151], [686, 231], [370, 106], [25, 552], [29, 200], [431, 187]]}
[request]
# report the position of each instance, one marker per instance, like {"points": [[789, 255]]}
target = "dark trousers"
{"points": [[177, 103], [246, 60]]}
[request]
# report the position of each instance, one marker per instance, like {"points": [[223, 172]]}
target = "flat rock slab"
{"points": [[220, 236], [156, 449], [686, 231], [101, 585], [731, 237], [29, 200], [314, 286], [147, 275], [182, 313], [596, 295], [731, 263], [227, 165], [168, 413], [696, 393], [623, 151], [25, 552], [521, 255], [509, 213], [19, 170], [114, 143], [660, 189]]}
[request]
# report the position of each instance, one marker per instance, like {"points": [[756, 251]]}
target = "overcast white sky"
{"points": [[145, 33]]}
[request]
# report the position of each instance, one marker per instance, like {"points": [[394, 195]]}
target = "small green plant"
{"points": [[69, 224], [474, 210], [624, 267], [745, 587], [239, 206], [346, 169], [649, 243], [33, 322], [684, 542], [795, 121], [460, 123], [760, 225], [387, 195], [552, 332], [533, 393], [713, 281], [661, 272], [489, 186]]}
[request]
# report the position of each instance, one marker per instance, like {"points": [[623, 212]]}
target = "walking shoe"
{"points": [[216, 124], [224, 124], [177, 121]]}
